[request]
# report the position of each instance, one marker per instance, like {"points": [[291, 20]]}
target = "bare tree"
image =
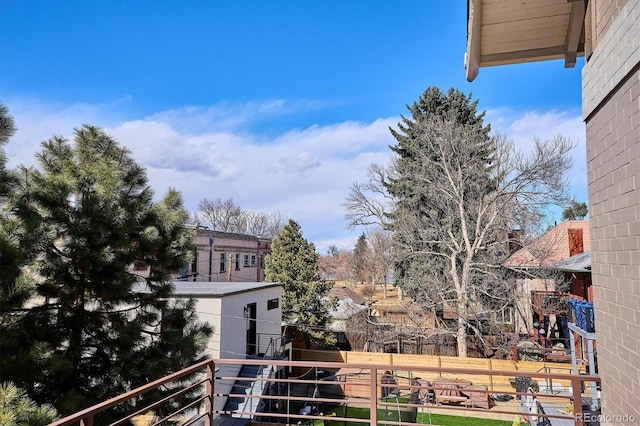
{"points": [[378, 257], [264, 224], [369, 203], [452, 253], [227, 216]]}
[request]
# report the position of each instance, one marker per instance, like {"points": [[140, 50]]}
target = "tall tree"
{"points": [[16, 284], [379, 260], [9, 255], [459, 193], [227, 216], [360, 259], [328, 263], [293, 262], [264, 224], [88, 215], [223, 215], [7, 129]]}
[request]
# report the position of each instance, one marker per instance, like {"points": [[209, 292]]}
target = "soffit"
{"points": [[514, 31]]}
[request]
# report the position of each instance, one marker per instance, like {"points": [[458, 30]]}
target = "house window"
{"points": [[505, 315], [223, 262], [253, 260], [185, 270], [273, 304], [237, 261], [246, 260], [194, 264]]}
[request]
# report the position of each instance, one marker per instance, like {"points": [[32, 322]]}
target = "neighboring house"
{"points": [[222, 256], [341, 292], [577, 272], [536, 277], [607, 33], [350, 306], [567, 239]]}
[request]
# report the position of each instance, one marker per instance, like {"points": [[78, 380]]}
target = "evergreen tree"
{"points": [[17, 409], [575, 210], [16, 286], [360, 258], [7, 129], [293, 262], [87, 216], [423, 214], [458, 195]]}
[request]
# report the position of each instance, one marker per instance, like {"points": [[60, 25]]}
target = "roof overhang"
{"points": [[503, 32]]}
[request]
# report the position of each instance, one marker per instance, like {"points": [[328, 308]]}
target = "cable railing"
{"points": [[355, 393]]}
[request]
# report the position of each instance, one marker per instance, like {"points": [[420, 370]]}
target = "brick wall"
{"points": [[605, 13], [611, 103]]}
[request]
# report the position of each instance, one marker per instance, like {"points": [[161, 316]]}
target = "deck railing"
{"points": [[361, 387]]}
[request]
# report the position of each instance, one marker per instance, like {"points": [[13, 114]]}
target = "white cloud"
{"points": [[304, 173]]}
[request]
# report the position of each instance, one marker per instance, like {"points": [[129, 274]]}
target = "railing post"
{"points": [[373, 403], [210, 389], [87, 421], [577, 401]]}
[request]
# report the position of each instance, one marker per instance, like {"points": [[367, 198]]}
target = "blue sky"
{"points": [[278, 104]]}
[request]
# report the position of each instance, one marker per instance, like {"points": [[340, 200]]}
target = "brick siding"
{"points": [[611, 102]]}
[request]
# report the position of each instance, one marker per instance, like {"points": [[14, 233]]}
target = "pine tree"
{"points": [[575, 210], [293, 262], [360, 258], [17, 409], [16, 286], [87, 216]]}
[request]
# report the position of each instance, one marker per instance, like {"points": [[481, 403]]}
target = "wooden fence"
{"points": [[494, 383]]}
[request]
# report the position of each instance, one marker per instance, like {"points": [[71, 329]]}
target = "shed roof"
{"points": [[578, 263], [513, 31], [346, 309], [343, 292], [202, 289]]}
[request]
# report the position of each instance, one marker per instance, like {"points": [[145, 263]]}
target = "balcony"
{"points": [[331, 393]]}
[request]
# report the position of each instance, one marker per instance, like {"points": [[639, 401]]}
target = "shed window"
{"points": [[273, 304]]}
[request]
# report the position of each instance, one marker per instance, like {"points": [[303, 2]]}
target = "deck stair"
{"points": [[246, 384]]}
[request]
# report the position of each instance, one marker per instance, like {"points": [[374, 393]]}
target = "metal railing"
{"points": [[367, 391]]}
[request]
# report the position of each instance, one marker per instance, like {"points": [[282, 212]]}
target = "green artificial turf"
{"points": [[444, 420], [423, 418]]}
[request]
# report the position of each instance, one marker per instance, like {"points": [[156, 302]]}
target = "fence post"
{"points": [[491, 375], [210, 389], [373, 403], [87, 421]]}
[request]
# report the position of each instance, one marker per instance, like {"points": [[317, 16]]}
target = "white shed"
{"points": [[245, 316]]}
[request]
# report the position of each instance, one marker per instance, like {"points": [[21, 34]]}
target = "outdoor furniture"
{"points": [[426, 395], [450, 390], [478, 396]]}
